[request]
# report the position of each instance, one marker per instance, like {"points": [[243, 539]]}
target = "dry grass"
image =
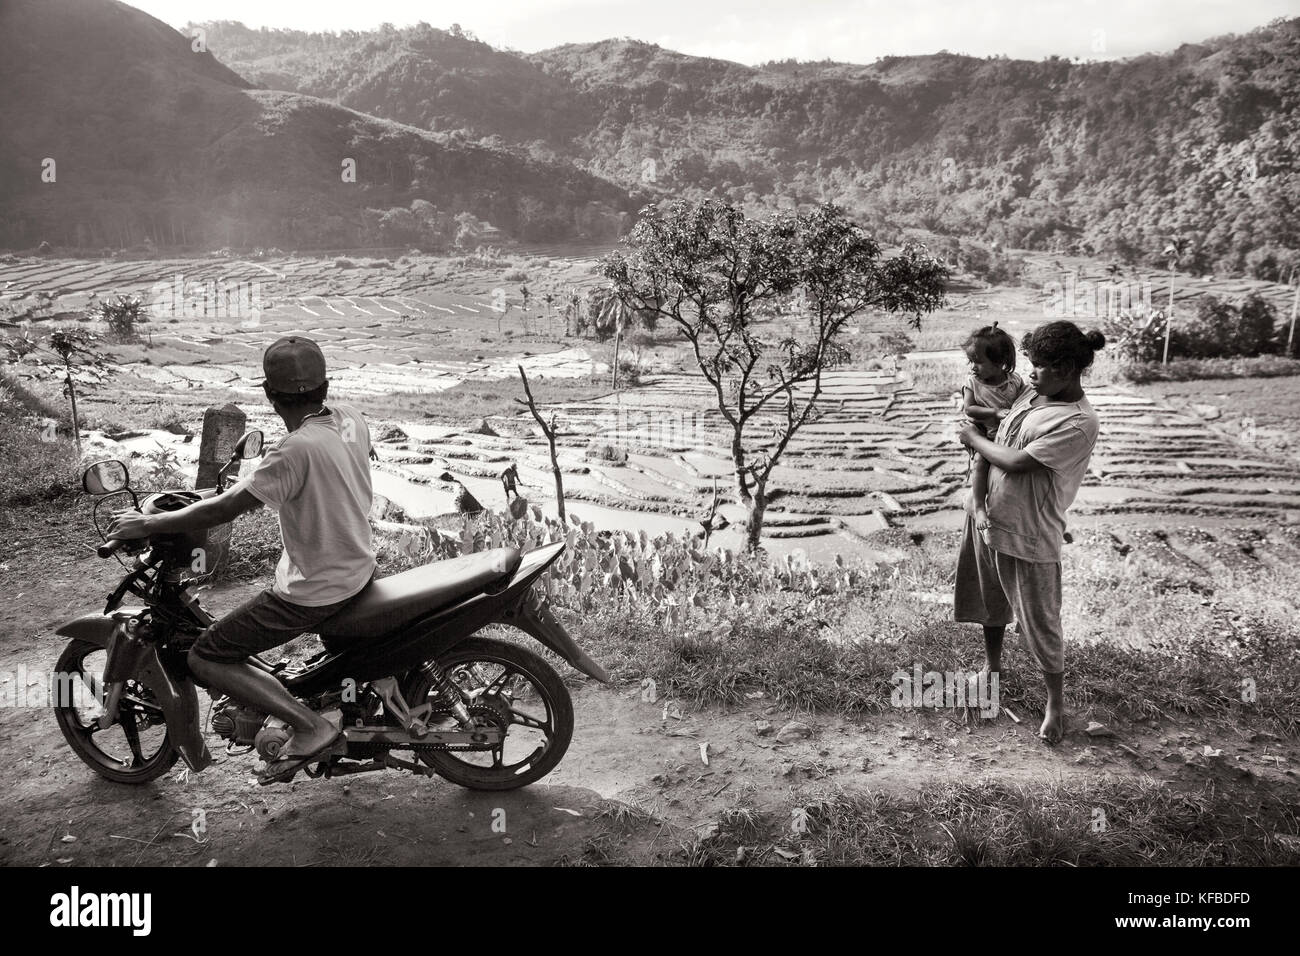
{"points": [[1143, 644], [1108, 822]]}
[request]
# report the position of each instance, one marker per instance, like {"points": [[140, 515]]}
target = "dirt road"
{"points": [[624, 755]]}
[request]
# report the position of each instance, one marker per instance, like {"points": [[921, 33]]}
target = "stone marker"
{"points": [[222, 428]]}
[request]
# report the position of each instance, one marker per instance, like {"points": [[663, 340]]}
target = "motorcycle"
{"points": [[414, 666]]}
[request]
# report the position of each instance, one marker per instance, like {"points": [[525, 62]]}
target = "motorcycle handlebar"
{"points": [[113, 545], [110, 547]]}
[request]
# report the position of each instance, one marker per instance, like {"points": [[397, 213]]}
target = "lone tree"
{"points": [[763, 303], [76, 358]]}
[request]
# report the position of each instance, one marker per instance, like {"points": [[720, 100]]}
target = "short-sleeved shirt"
{"points": [[318, 479], [1027, 509], [995, 396]]}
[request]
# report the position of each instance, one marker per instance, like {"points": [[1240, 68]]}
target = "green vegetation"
{"points": [[1105, 158], [714, 626], [1186, 370], [38, 461], [764, 304], [1146, 823], [123, 316]]}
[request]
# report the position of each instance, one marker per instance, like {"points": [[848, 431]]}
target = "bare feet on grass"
{"points": [[1053, 728]]}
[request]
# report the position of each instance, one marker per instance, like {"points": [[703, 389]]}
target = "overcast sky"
{"points": [[753, 31]]}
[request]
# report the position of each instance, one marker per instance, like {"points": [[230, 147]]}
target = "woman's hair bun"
{"points": [[1095, 339]]}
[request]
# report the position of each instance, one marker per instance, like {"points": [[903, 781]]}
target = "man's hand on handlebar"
{"points": [[129, 525]]}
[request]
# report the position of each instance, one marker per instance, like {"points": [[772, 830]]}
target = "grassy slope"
{"points": [[142, 147]]}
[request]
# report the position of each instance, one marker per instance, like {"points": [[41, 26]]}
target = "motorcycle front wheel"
{"points": [[509, 687], [135, 748]]}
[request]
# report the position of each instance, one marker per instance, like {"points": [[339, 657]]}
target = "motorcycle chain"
{"points": [[488, 710]]}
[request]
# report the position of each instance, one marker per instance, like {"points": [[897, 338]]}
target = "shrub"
{"points": [[629, 372], [1135, 336], [890, 343], [1258, 321], [606, 452], [515, 275], [1221, 329], [1187, 370], [991, 265], [162, 469], [122, 316]]}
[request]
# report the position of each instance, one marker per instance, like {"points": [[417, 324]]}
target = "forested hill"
{"points": [[1110, 158], [118, 133]]}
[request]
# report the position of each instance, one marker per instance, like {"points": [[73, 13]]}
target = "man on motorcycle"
{"points": [[318, 478]]}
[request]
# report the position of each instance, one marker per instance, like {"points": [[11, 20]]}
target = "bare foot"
{"points": [[303, 743], [1053, 728], [974, 681]]}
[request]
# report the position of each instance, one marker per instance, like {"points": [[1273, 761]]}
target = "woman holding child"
{"points": [[1023, 481]]}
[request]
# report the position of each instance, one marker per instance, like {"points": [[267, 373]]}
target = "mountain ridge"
{"points": [[119, 134], [1104, 158]]}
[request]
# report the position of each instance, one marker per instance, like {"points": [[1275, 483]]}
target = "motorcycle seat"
{"points": [[387, 604]]}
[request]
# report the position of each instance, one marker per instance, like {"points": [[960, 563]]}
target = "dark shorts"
{"points": [[264, 621]]}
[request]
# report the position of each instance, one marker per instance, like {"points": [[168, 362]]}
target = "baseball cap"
{"points": [[293, 364]]}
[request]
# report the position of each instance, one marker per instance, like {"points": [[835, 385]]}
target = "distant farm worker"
{"points": [[1023, 481], [510, 481]]}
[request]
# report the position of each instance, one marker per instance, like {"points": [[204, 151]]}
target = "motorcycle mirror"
{"points": [[250, 446], [106, 477]]}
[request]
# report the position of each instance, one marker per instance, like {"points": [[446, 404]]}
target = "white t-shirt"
{"points": [[1027, 509], [318, 479]]}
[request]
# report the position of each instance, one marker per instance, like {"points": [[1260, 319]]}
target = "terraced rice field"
{"points": [[882, 455], [383, 330]]}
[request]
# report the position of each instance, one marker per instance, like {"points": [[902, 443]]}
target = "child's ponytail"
{"points": [[995, 344]]}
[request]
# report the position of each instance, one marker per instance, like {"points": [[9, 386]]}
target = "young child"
{"points": [[993, 384], [1010, 560]]}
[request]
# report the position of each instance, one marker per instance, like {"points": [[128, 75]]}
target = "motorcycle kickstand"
{"points": [[396, 763]]}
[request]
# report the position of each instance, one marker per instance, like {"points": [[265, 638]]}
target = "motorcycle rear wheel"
{"points": [[512, 680], [136, 748]]}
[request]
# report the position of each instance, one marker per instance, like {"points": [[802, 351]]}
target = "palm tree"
{"points": [[1173, 251], [1113, 270], [572, 310], [612, 314], [549, 300]]}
